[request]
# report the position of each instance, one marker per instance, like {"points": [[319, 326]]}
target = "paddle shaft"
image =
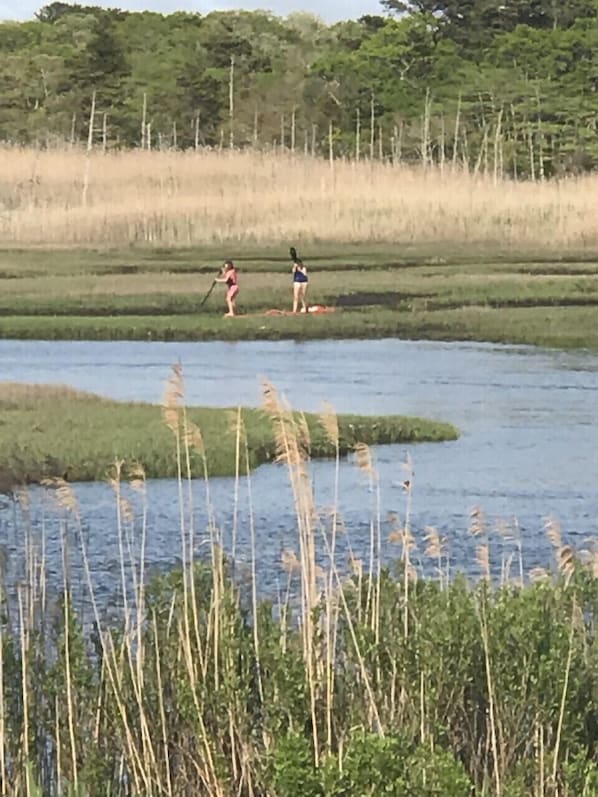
{"points": [[207, 296]]}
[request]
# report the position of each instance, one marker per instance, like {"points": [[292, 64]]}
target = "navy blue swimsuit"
{"points": [[299, 276]]}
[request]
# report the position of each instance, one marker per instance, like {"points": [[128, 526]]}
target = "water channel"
{"points": [[528, 447]]}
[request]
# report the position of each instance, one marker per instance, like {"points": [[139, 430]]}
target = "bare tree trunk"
{"points": [[426, 130], [497, 147], [441, 144], [465, 150], [231, 103], [282, 133], [196, 137], [73, 127], [380, 142], [400, 142], [456, 138], [357, 134], [92, 114], [104, 132], [330, 145], [540, 137], [293, 130], [174, 137], [515, 142], [314, 131], [143, 120], [532, 162], [372, 127], [256, 123], [482, 154], [149, 136]]}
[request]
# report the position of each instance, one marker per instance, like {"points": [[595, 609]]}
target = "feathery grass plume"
{"points": [[115, 473], [552, 529], [435, 544], [356, 565], [364, 460], [137, 478], [566, 561], [173, 398], [194, 438], [290, 562], [483, 559], [290, 442], [436, 548], [114, 480], [478, 524], [329, 421], [126, 510], [303, 434], [564, 554], [63, 494], [285, 432], [402, 535], [589, 558]]}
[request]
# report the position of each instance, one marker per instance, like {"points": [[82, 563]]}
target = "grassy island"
{"points": [[51, 431]]}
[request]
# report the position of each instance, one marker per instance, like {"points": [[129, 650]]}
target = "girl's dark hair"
{"points": [[229, 264]]}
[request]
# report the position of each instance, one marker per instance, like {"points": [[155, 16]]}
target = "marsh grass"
{"points": [[376, 293], [559, 327], [183, 198], [355, 680], [48, 431]]}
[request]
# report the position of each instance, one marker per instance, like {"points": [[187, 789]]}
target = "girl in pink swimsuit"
{"points": [[229, 276]]}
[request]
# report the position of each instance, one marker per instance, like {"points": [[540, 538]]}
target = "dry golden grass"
{"points": [[176, 198], [22, 393]]}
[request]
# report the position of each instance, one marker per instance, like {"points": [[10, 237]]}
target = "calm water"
{"points": [[528, 417]]}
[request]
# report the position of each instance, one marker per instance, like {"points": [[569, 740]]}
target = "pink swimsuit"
{"points": [[233, 286]]}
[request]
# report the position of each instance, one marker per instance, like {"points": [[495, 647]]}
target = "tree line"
{"points": [[502, 88]]}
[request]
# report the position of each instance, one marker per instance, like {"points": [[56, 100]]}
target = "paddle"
{"points": [[207, 296]]}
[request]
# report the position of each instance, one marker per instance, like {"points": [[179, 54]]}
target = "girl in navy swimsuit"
{"points": [[299, 285]]}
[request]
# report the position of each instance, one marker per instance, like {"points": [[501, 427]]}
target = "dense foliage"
{"points": [[508, 88], [479, 693]]}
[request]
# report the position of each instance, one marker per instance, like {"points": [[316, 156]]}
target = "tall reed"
{"points": [[205, 198], [360, 680]]}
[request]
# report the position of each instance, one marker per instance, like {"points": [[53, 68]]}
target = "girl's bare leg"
{"points": [[296, 292], [303, 297]]}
